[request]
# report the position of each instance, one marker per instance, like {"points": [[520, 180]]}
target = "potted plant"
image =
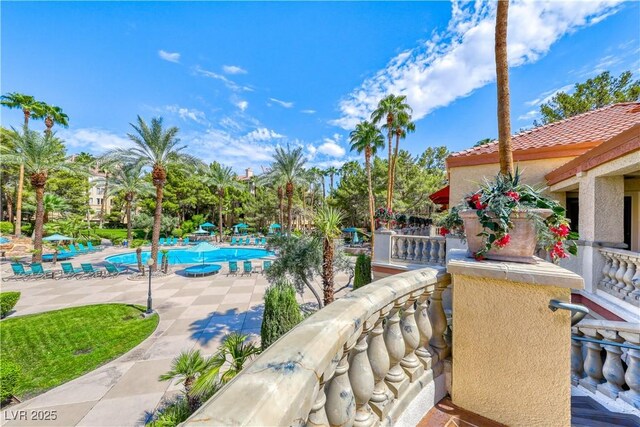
{"points": [[384, 216], [506, 220]]}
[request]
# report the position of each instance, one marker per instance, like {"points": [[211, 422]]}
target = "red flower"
{"points": [[444, 231], [561, 231], [558, 251], [503, 241], [478, 256], [513, 195]]}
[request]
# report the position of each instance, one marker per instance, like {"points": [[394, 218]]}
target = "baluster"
{"points": [[420, 251], [628, 275], [605, 269], [634, 296], [439, 325], [424, 327], [433, 258], [400, 241], [416, 250], [426, 250], [442, 251], [577, 362], [622, 268], [612, 271], [318, 415], [394, 247], [612, 369], [632, 376], [379, 359], [411, 247], [593, 361], [396, 378], [361, 376], [411, 335], [340, 405]]}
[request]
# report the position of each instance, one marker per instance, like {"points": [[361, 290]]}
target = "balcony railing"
{"points": [[419, 249], [621, 275], [605, 358], [359, 361]]}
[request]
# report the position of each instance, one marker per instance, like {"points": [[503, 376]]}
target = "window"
{"points": [[573, 212], [90, 200]]}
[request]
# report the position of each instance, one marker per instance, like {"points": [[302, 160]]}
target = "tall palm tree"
{"points": [[221, 178], [389, 108], [502, 83], [157, 148], [288, 167], [403, 125], [31, 108], [54, 114], [53, 203], [331, 171], [327, 222], [280, 205], [128, 180], [367, 138], [41, 155]]}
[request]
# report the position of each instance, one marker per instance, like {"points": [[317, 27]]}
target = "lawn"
{"points": [[55, 347]]}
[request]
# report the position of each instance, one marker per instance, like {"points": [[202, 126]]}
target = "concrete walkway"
{"points": [[195, 313]]}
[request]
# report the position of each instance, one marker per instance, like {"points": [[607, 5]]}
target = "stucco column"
{"points": [[382, 251], [511, 354]]}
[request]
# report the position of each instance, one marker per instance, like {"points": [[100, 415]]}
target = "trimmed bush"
{"points": [[177, 232], [8, 300], [6, 227], [9, 377], [281, 312], [362, 274], [27, 229]]}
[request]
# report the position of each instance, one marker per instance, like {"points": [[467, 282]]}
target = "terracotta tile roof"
{"points": [[583, 131]]}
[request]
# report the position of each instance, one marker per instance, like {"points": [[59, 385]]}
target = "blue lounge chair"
{"points": [[247, 268], [84, 249], [266, 265], [90, 271], [94, 248], [233, 241], [73, 251], [233, 268], [161, 241], [247, 241], [185, 241], [256, 242], [39, 272], [19, 273], [114, 270], [263, 241], [69, 271]]}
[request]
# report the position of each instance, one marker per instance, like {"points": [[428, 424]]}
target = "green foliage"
{"points": [[483, 141], [6, 227], [172, 415], [9, 379], [595, 93], [8, 300], [27, 229], [177, 232], [362, 271], [281, 312]]}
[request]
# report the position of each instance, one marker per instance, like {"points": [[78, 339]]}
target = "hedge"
{"points": [[8, 300], [362, 271], [281, 313], [9, 377], [6, 227]]}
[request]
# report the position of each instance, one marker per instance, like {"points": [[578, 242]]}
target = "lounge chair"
{"points": [[256, 242], [247, 241], [69, 271], [185, 241], [247, 268], [114, 270], [161, 241], [84, 249], [94, 248], [233, 268], [90, 271], [233, 241], [19, 273], [266, 265], [263, 241], [72, 250], [40, 272]]}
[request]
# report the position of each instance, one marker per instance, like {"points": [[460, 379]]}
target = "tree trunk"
{"points": [[103, 205], [38, 228], [157, 218], [393, 168], [314, 292], [327, 271], [331, 181], [280, 208], [18, 225], [9, 207], [324, 193], [367, 162], [389, 159], [129, 226], [220, 229], [502, 82], [289, 206], [55, 256]]}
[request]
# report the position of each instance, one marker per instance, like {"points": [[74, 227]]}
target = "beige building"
{"points": [[97, 195]]}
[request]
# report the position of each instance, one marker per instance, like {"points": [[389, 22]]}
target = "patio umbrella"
{"points": [[242, 225], [355, 237], [207, 225], [235, 229], [274, 225], [200, 231], [350, 230], [57, 238], [203, 247]]}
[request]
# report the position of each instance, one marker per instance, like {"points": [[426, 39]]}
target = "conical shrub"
{"points": [[362, 273], [281, 312]]}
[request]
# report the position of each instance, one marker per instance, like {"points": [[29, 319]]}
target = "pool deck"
{"points": [[195, 313]]}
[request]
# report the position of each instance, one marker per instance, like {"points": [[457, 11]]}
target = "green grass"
{"points": [[58, 346]]}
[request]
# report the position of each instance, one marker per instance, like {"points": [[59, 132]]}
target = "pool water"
{"points": [[183, 256]]}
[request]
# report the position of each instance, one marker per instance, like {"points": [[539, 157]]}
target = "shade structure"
{"points": [[350, 230], [441, 197], [57, 238], [200, 231], [207, 225], [275, 226], [355, 238], [235, 229], [241, 225], [203, 247]]}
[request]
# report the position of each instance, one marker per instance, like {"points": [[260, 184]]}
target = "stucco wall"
{"points": [[511, 354], [464, 180]]}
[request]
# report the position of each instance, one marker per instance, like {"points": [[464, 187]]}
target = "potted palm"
{"points": [[506, 220]]}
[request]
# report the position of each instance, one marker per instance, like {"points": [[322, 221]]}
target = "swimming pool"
{"points": [[183, 256]]}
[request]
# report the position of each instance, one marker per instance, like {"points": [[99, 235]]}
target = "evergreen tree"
{"points": [[363, 271], [281, 312]]}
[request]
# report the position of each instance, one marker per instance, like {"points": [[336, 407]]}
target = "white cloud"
{"points": [[228, 83], [308, 111], [285, 104], [453, 64], [92, 140], [262, 134], [187, 113], [330, 148], [529, 115], [546, 96], [169, 56], [233, 69], [242, 105]]}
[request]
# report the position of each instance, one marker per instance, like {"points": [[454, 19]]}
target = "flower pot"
{"points": [[523, 236]]}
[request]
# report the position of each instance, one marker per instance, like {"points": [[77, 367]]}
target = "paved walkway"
{"points": [[195, 313]]}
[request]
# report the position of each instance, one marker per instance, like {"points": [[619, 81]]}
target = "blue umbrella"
{"points": [[57, 238], [274, 226], [350, 230], [200, 231], [241, 225], [207, 225], [203, 247], [235, 229]]}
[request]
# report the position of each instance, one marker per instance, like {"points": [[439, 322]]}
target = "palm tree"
{"points": [[53, 203], [280, 207], [390, 107], [502, 83], [54, 114], [30, 108], [331, 171], [367, 138], [129, 181], [288, 167], [187, 367], [221, 178], [41, 155], [403, 125], [157, 148], [327, 223]]}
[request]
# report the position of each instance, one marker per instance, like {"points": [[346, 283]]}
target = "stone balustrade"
{"points": [[614, 372], [621, 274], [419, 249], [359, 361]]}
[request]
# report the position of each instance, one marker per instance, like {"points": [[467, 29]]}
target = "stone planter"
{"points": [[523, 236]]}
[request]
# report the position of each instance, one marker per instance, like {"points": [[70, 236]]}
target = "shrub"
{"points": [[6, 227], [281, 312], [177, 232], [8, 300], [9, 377], [172, 414], [362, 272], [27, 229]]}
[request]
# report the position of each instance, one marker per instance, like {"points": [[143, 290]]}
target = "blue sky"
{"points": [[239, 79]]}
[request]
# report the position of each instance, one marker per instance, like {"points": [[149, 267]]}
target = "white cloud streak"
{"points": [[228, 83], [233, 69], [169, 56], [93, 140], [453, 64], [285, 104]]}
